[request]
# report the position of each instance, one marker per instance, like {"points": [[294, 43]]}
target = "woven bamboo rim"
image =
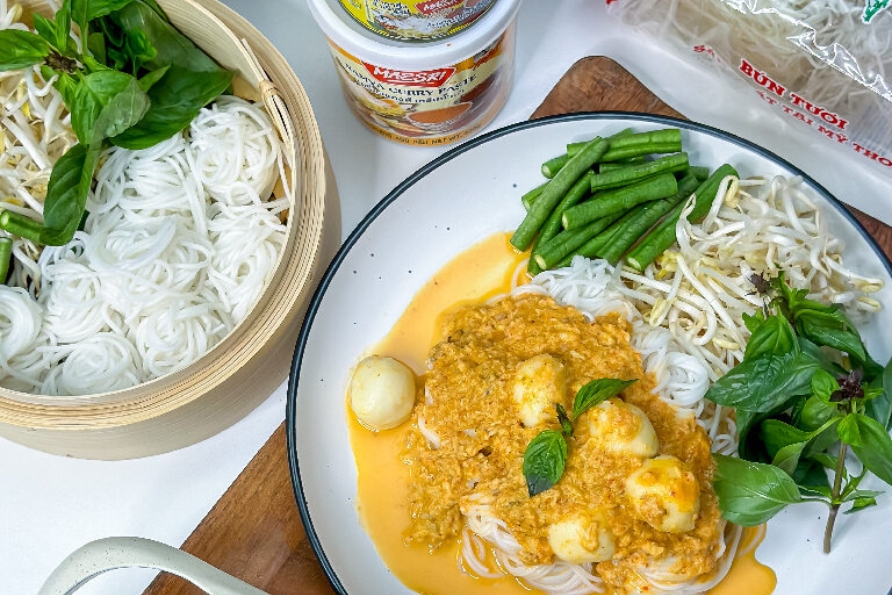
{"points": [[240, 372]]}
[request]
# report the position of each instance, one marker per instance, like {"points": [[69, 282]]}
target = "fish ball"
{"points": [[665, 494], [382, 392], [578, 539]]}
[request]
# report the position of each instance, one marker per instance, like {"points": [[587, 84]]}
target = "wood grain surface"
{"points": [[254, 532]]}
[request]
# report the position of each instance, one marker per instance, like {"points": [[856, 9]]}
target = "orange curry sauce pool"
{"points": [[483, 271]]}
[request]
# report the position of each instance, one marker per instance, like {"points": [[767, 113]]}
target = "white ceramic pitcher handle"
{"points": [[96, 557]]}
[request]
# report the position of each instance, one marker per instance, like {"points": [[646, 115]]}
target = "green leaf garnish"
{"points": [[596, 392], [751, 493], [544, 461]]}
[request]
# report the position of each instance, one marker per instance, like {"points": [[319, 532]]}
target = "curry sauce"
{"points": [[406, 521], [467, 403]]}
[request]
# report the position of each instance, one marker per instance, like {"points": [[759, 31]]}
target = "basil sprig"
{"points": [[545, 457], [133, 82], [806, 388]]}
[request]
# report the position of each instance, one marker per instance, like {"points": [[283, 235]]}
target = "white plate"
{"points": [[450, 204]]}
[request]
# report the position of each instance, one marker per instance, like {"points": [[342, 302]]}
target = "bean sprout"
{"points": [[701, 290], [35, 131]]}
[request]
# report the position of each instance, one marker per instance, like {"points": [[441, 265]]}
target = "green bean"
{"points": [[612, 165], [699, 171], [620, 153], [664, 136], [530, 197], [20, 225], [553, 165], [705, 193], [5, 255], [663, 235], [567, 242], [555, 190], [632, 173], [595, 244], [620, 199], [645, 218], [553, 224]]}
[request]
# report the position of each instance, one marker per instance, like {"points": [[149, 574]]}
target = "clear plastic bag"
{"points": [[825, 63]]}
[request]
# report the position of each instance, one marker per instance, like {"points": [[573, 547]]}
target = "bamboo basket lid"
{"points": [[241, 371]]}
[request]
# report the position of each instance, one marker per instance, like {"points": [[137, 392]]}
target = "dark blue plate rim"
{"points": [[334, 266]]}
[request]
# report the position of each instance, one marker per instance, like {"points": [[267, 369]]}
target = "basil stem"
{"points": [[834, 495]]}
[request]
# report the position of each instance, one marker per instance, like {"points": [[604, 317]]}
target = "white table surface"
{"points": [[51, 505]]}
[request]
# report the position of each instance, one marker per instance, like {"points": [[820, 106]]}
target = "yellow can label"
{"points": [[433, 106], [418, 21]]}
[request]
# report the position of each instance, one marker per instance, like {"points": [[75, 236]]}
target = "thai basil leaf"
{"points": [[175, 101], [875, 448], [824, 439], [596, 392], [148, 80], [829, 326], [777, 434], [822, 356], [852, 485], [63, 27], [66, 85], [114, 35], [140, 49], [815, 412], [765, 382], [823, 384], [855, 494], [66, 196], [21, 49], [96, 45], [544, 461], [751, 493], [861, 503], [106, 104], [46, 29], [827, 460], [880, 408], [92, 65], [173, 47], [786, 443], [750, 447], [787, 458], [773, 336], [752, 321], [810, 475], [85, 11], [849, 430], [157, 8]]}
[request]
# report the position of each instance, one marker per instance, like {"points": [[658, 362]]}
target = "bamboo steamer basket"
{"points": [[212, 393]]}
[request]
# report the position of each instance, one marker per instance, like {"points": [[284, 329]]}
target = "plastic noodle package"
{"points": [[825, 63]]}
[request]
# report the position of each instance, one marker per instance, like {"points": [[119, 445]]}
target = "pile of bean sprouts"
{"points": [[35, 131], [701, 290], [180, 241]]}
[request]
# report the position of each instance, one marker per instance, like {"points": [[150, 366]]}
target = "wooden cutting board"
{"points": [[254, 532]]}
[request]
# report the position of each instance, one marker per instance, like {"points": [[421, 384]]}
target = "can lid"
{"points": [[365, 45]]}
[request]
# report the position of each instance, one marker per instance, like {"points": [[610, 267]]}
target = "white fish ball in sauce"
{"points": [[579, 540], [382, 392], [665, 494], [539, 384], [622, 428]]}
